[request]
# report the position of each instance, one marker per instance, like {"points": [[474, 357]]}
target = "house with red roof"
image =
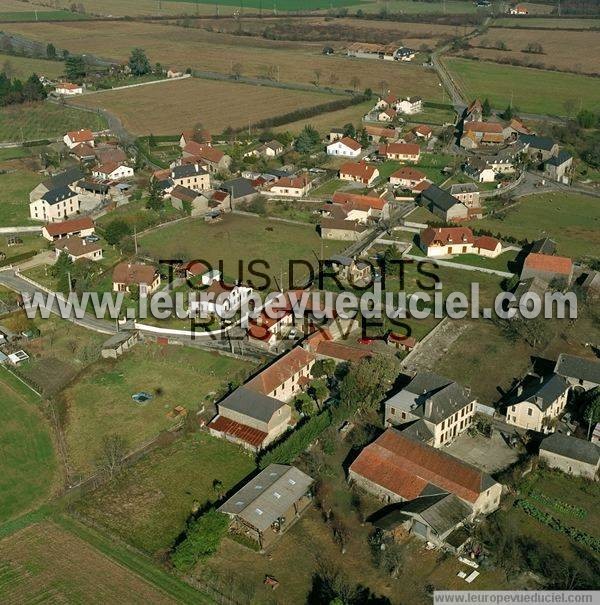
{"points": [[358, 207], [422, 132], [214, 159], [68, 89], [78, 137], [145, 277], [398, 468], [407, 178], [112, 171], [547, 267], [358, 172], [202, 136], [476, 133], [404, 152], [387, 115], [345, 147], [449, 241], [80, 227], [291, 186], [378, 133]]}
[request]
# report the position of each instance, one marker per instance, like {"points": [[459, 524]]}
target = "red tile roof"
{"points": [[447, 235], [297, 182], [358, 201], [68, 86], [72, 226], [196, 268], [125, 273], [246, 433], [350, 142], [358, 170], [486, 242], [551, 264], [338, 350], [400, 148], [483, 127], [81, 136], [204, 152], [409, 173], [423, 130], [76, 246], [405, 467], [281, 370], [380, 131]]}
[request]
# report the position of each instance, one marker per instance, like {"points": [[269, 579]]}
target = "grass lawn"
{"points": [[34, 121], [14, 153], [433, 116], [328, 188], [432, 165], [240, 239], [571, 219], [14, 197], [503, 262], [99, 402], [28, 465], [150, 502], [293, 210], [137, 216], [42, 15], [533, 90], [421, 215], [23, 67], [61, 351]]}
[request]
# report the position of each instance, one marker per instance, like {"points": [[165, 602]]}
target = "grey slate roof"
{"points": [[58, 194], [441, 512], [440, 198], [186, 170], [238, 187], [100, 188], [573, 366], [65, 178], [544, 246], [463, 188], [338, 259], [268, 496], [571, 447], [251, 403], [537, 142], [542, 392], [418, 430], [560, 159]]}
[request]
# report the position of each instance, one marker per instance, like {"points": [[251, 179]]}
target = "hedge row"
{"points": [[18, 258]]}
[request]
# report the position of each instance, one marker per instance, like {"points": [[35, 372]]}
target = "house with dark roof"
{"points": [[55, 205], [267, 505], [433, 518], [250, 418], [398, 468], [571, 455], [558, 166], [192, 176], [539, 148], [443, 204], [240, 189], [537, 402], [543, 246], [579, 371], [432, 408]]}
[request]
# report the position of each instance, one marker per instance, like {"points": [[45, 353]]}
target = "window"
{"points": [[393, 411], [530, 412], [403, 415]]}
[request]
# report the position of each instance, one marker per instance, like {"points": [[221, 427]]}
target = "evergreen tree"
{"points": [[139, 63], [51, 51], [486, 108], [75, 68], [156, 200]]}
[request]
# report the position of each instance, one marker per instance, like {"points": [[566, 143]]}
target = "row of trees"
{"points": [[14, 91]]}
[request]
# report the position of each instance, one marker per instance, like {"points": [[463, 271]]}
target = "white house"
{"points": [[223, 300], [291, 186], [346, 147], [55, 205], [450, 241], [81, 227], [78, 248], [68, 89], [410, 105], [112, 171], [77, 137]]}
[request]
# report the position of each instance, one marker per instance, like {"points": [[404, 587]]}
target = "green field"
{"points": [[545, 23], [99, 402], [27, 465], [14, 196], [14, 153], [281, 5], [35, 121], [532, 90], [240, 238], [23, 67], [41, 15], [572, 220], [150, 502], [503, 262]]}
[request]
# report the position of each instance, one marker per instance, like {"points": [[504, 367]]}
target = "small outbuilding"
{"points": [[571, 455]]}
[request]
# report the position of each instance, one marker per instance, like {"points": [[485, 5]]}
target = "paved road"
{"points": [[16, 283]]}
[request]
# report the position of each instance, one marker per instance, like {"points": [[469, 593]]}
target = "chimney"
{"points": [[196, 166], [428, 408], [520, 390]]}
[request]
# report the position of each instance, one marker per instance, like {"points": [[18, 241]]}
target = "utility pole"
{"points": [[135, 244], [69, 278]]}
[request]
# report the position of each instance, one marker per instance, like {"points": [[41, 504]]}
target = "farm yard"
{"points": [[99, 402], [28, 468], [43, 120], [171, 107], [570, 219], [240, 239], [210, 51], [44, 562], [577, 51], [134, 506], [532, 90]]}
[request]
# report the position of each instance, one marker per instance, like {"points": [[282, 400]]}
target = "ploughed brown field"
{"points": [[202, 50], [45, 563], [564, 50], [170, 107]]}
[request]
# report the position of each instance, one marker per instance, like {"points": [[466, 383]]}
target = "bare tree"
{"points": [[318, 72], [112, 453], [341, 534], [354, 82], [383, 87], [333, 78], [236, 70]]}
